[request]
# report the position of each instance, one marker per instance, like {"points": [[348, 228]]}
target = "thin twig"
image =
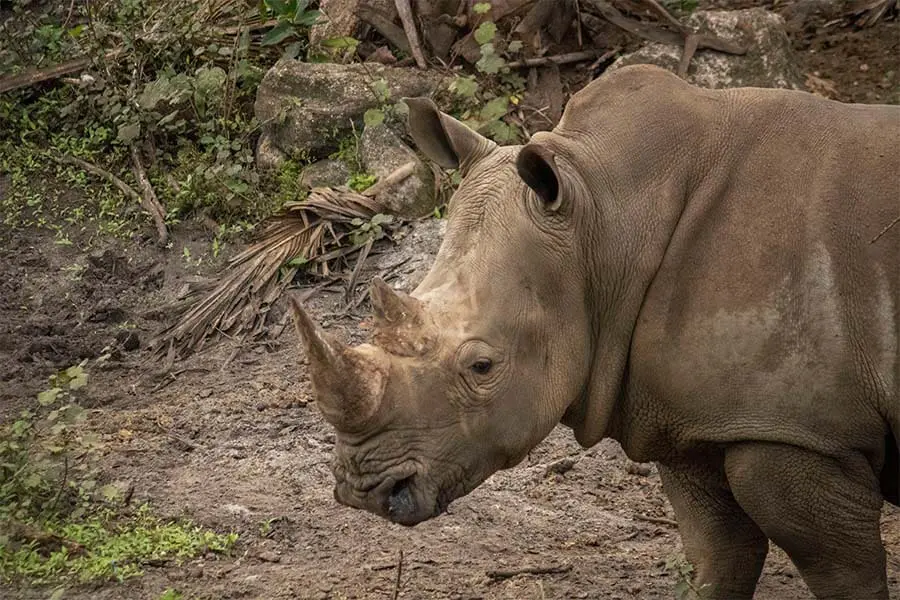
{"points": [[396, 593], [360, 260], [412, 34], [559, 59], [578, 24], [507, 573], [885, 230], [148, 200], [657, 520]]}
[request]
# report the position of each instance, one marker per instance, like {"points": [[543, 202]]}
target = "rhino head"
{"points": [[472, 370]]}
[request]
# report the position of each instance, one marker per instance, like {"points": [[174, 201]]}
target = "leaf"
{"points": [[207, 81], [110, 492], [489, 61], [341, 42], [466, 87], [293, 50], [48, 397], [309, 18], [495, 109], [278, 34], [373, 117], [77, 377], [277, 6], [481, 8], [129, 132], [382, 90], [485, 32]]}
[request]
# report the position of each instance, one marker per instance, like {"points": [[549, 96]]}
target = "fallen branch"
{"points": [[657, 520], [507, 573], [94, 169], [385, 26], [149, 200], [412, 34], [32, 77], [690, 47], [391, 179], [557, 59], [654, 33]]}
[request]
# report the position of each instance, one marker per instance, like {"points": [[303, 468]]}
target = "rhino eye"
{"points": [[482, 366]]}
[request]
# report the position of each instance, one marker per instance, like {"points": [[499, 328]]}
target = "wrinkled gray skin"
{"points": [[693, 273]]}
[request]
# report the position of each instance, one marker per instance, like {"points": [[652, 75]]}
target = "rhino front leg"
{"points": [[725, 547], [823, 513]]}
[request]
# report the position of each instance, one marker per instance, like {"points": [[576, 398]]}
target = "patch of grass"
{"points": [[106, 546]]}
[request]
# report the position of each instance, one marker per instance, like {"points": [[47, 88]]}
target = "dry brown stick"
{"points": [[385, 26], [885, 230], [655, 33], [559, 59], [391, 179], [690, 47], [665, 14], [507, 573], [657, 520], [360, 260], [148, 199], [90, 168], [396, 593], [412, 34], [578, 24], [37, 76]]}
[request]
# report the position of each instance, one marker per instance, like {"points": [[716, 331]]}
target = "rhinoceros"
{"points": [[709, 277]]}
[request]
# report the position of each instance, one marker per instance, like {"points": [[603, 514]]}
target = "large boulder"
{"points": [[340, 18], [769, 61], [382, 152], [307, 107]]}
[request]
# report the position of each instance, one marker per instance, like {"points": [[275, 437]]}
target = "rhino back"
{"points": [[775, 312]]}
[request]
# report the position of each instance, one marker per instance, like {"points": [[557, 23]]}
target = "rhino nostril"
{"points": [[400, 500]]}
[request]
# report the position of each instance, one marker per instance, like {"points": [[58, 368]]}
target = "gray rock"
{"points": [[325, 173], [769, 61], [340, 18], [268, 156], [382, 152], [307, 107], [413, 256]]}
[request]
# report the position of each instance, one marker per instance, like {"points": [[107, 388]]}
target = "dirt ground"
{"points": [[232, 439]]}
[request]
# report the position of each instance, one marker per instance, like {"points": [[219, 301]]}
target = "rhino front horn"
{"points": [[392, 308], [349, 383]]}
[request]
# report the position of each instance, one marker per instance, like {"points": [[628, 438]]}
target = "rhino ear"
{"points": [[442, 138], [536, 165]]}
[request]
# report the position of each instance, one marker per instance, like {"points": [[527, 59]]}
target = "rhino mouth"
{"points": [[401, 498]]}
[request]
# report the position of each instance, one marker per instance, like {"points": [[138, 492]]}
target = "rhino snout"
{"points": [[396, 498]]}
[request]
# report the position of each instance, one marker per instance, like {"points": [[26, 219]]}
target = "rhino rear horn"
{"points": [[393, 308], [443, 139], [349, 383]]}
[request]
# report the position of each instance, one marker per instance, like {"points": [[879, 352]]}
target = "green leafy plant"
{"points": [[371, 230], [683, 571], [292, 16], [45, 467]]}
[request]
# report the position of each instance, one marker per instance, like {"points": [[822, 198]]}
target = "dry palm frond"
{"points": [[869, 12], [315, 230]]}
